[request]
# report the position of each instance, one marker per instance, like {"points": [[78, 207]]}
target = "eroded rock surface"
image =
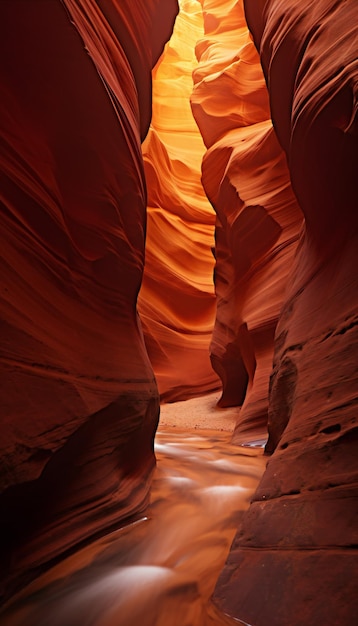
{"points": [[246, 178], [294, 560], [177, 300], [79, 402]]}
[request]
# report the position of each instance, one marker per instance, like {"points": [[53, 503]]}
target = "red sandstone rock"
{"points": [[177, 301], [79, 401], [293, 562], [258, 220]]}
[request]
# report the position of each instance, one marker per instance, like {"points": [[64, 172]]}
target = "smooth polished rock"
{"points": [[177, 300], [297, 544], [79, 400], [246, 178]]}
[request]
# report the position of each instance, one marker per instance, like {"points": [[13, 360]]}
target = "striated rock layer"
{"points": [[79, 401], [294, 560], [246, 178], [177, 300]]}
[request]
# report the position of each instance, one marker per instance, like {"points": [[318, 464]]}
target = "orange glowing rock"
{"points": [[258, 220], [177, 300], [79, 401]]}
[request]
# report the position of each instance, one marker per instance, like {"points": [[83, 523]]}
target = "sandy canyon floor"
{"points": [[198, 413]]}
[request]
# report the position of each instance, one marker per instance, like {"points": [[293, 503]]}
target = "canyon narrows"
{"points": [[260, 190]]}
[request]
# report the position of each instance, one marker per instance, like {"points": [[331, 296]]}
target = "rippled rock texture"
{"points": [[79, 401], [293, 562], [246, 178], [177, 300]]}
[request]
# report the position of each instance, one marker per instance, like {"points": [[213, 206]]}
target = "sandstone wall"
{"points": [[79, 403], [246, 178], [177, 300], [293, 562]]}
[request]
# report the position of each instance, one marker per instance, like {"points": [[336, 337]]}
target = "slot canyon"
{"points": [[178, 303]]}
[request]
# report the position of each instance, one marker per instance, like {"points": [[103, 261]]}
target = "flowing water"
{"points": [[161, 570]]}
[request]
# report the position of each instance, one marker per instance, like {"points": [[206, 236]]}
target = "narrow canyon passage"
{"points": [[178, 217], [162, 569]]}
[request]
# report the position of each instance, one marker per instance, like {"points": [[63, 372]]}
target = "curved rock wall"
{"points": [[246, 178], [79, 401], [293, 562], [177, 300]]}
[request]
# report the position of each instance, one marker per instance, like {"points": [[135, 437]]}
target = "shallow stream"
{"points": [[162, 569]]}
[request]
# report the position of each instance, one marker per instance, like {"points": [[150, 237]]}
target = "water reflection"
{"points": [[161, 570]]}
